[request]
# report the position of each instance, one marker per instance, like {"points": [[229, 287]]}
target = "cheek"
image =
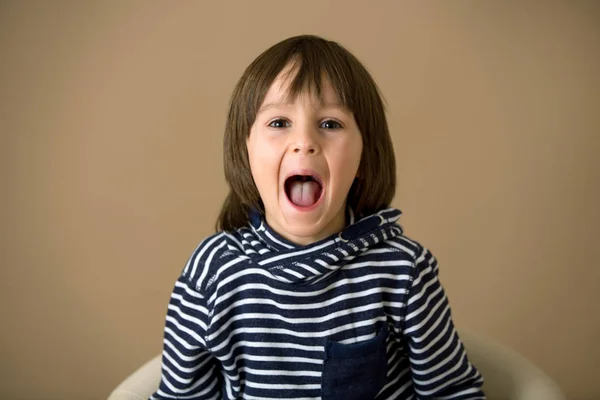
{"points": [[262, 166], [352, 153], [345, 167]]}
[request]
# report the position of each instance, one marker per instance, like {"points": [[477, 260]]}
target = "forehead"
{"points": [[288, 89]]}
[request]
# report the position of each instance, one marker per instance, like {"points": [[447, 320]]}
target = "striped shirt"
{"points": [[358, 315]]}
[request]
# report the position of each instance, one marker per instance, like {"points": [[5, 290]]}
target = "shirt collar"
{"points": [[290, 262]]}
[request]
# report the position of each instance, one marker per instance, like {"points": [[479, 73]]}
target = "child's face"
{"points": [[304, 157]]}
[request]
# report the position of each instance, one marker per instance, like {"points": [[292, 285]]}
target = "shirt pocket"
{"points": [[355, 371]]}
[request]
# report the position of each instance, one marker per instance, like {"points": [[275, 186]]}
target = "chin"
{"points": [[308, 226]]}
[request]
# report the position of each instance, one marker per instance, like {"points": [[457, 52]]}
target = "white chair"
{"points": [[507, 375]]}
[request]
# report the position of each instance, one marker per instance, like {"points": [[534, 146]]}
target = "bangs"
{"points": [[305, 64], [305, 77]]}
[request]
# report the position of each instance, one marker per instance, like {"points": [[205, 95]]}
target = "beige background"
{"points": [[111, 120]]}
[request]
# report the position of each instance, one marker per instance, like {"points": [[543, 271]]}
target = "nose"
{"points": [[305, 141]]}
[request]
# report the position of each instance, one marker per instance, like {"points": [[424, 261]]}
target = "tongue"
{"points": [[304, 194]]}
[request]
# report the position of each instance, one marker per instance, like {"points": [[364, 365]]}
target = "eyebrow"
{"points": [[269, 106]]}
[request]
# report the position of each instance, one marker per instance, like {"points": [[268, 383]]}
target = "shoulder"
{"points": [[212, 253], [421, 257]]}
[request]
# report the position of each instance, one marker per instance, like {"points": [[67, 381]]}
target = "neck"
{"points": [[315, 233]]}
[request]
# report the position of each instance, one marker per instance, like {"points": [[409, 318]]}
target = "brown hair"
{"points": [[313, 59]]}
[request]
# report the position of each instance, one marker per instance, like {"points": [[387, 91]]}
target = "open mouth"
{"points": [[303, 190]]}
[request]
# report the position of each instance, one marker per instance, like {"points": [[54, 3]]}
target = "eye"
{"points": [[331, 124], [279, 123]]}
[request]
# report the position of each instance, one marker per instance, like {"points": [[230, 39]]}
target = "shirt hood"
{"points": [[292, 263]]}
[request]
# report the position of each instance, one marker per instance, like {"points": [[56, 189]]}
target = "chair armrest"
{"points": [[507, 374], [141, 383]]}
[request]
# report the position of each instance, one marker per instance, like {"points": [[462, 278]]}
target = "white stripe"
{"points": [[438, 365], [293, 273], [332, 256], [178, 378], [396, 243], [182, 328], [419, 295], [179, 354], [201, 253], [395, 215], [310, 334], [291, 293], [279, 372], [308, 268], [394, 353], [324, 263], [402, 388], [358, 339], [432, 343], [323, 277], [267, 345], [425, 307], [286, 359], [293, 321], [208, 262], [186, 317], [235, 240], [226, 266], [273, 238], [229, 388], [395, 304], [389, 263], [395, 380], [442, 376], [188, 291], [250, 397], [440, 315], [189, 389], [439, 350], [181, 368], [232, 365], [295, 254], [275, 386], [383, 250], [461, 393], [310, 306], [237, 249], [410, 241], [252, 243], [182, 342], [426, 285]]}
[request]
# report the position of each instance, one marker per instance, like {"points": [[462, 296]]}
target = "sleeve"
{"points": [[189, 370], [438, 360]]}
